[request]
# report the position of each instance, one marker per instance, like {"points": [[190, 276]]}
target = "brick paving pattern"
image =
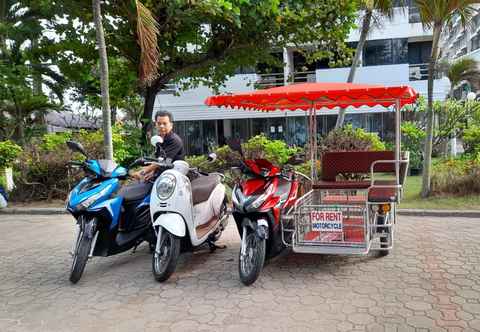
{"points": [[431, 282]]}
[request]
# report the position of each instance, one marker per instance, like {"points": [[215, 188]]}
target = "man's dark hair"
{"points": [[164, 113]]}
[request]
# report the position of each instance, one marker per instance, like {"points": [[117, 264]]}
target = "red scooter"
{"points": [[258, 202]]}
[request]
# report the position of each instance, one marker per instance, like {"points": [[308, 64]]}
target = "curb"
{"points": [[403, 212], [440, 213], [33, 211]]}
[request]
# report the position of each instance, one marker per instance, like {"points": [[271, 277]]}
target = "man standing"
{"points": [[172, 143]]}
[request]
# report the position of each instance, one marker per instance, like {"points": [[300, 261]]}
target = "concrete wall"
{"points": [[399, 27]]}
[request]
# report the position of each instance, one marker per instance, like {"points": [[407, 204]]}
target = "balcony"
{"points": [[414, 15], [266, 81]]}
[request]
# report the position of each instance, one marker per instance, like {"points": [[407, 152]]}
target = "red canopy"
{"points": [[305, 95]]}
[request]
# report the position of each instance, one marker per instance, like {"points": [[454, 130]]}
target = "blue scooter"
{"points": [[110, 219]]}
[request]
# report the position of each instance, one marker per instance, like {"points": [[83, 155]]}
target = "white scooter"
{"points": [[184, 212]]}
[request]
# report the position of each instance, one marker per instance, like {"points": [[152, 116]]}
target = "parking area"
{"points": [[431, 281]]}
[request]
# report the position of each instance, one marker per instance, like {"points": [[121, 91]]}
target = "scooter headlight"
{"points": [[262, 198], [166, 186], [92, 199]]}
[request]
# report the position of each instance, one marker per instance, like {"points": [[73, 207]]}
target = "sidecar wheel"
{"points": [[165, 261]]}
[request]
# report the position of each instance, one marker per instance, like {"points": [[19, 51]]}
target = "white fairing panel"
{"points": [[205, 211], [172, 222], [180, 201]]}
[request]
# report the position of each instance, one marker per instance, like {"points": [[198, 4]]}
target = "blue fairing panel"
{"points": [[94, 166], [145, 202], [119, 171], [113, 207], [78, 195]]}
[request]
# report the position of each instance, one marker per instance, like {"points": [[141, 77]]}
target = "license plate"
{"points": [[327, 221]]}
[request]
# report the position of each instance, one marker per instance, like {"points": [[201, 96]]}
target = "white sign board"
{"points": [[327, 221]]}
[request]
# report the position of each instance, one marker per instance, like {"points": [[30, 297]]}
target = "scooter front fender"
{"points": [[172, 222]]}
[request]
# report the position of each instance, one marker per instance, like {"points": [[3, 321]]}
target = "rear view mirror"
{"points": [[156, 140], [76, 147]]}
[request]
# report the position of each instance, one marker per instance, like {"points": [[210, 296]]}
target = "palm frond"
{"points": [[147, 34], [443, 12]]}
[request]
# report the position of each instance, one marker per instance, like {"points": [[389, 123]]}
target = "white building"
{"points": [[395, 54], [459, 42]]}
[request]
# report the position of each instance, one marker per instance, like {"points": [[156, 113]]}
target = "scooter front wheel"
{"points": [[80, 258], [251, 262], [165, 257]]}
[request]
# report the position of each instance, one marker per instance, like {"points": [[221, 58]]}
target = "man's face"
{"points": [[163, 124]]}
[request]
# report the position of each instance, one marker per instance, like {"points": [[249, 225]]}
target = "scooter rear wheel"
{"points": [[80, 258], [250, 266], [165, 261]]}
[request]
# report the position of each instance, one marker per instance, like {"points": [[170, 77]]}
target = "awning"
{"points": [[305, 96]]}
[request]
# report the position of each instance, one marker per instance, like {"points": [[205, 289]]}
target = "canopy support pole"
{"points": [[312, 114], [398, 119]]}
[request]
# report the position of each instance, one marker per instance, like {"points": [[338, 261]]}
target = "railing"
{"points": [[419, 72], [278, 79], [414, 15]]}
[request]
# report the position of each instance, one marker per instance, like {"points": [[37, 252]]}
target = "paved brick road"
{"points": [[430, 282]]}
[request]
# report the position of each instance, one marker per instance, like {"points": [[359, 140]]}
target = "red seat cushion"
{"points": [[382, 195]]}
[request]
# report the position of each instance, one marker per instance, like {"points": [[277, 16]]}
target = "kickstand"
{"points": [[214, 247], [134, 249]]}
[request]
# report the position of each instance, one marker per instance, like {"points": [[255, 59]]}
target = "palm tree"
{"points": [[463, 70], [438, 14], [102, 52], [147, 31], [374, 10]]}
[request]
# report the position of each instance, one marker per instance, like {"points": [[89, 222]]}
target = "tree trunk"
{"points": [[150, 95], [102, 51], [427, 161], [114, 115], [367, 20]]}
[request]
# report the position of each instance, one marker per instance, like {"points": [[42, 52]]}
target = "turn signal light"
{"points": [[385, 208]]}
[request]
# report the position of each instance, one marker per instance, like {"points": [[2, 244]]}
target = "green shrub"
{"points": [[275, 151], [42, 172], [53, 141], [459, 176], [348, 138], [9, 151], [413, 138], [43, 175], [471, 139]]}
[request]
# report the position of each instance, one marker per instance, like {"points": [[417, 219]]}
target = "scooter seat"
{"points": [[202, 187], [135, 191]]}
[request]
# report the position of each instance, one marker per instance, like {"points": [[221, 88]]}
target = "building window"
{"points": [[240, 129], [259, 126], [476, 42], [413, 14], [297, 131], [356, 120], [209, 135], [374, 123], [419, 52], [277, 128], [194, 141], [386, 52]]}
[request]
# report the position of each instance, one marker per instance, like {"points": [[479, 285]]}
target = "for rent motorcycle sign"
{"points": [[327, 221]]}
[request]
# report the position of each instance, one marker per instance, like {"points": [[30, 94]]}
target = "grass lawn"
{"points": [[412, 199]]}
